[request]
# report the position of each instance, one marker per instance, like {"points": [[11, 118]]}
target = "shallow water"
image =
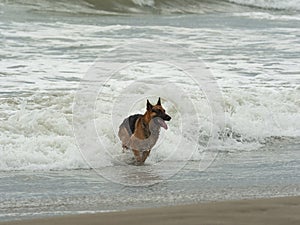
{"points": [[27, 194]]}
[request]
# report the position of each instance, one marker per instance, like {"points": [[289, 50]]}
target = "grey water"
{"points": [[253, 52], [32, 194]]}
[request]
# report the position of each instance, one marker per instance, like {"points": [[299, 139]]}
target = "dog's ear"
{"points": [[149, 106], [158, 102]]}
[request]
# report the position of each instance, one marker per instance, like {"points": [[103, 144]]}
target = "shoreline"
{"points": [[281, 210]]}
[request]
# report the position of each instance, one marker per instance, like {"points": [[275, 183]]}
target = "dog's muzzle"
{"points": [[166, 117]]}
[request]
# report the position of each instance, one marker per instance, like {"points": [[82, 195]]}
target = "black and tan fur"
{"points": [[140, 132]]}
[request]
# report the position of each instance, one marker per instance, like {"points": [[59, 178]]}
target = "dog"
{"points": [[140, 132]]}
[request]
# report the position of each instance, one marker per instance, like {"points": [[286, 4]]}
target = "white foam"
{"points": [[144, 2], [268, 16], [36, 137]]}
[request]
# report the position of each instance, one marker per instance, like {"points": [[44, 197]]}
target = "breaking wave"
{"points": [[189, 6], [38, 135], [112, 7]]}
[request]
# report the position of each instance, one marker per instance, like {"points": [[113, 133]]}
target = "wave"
{"points": [[162, 6], [117, 7], [189, 6], [38, 133], [291, 5]]}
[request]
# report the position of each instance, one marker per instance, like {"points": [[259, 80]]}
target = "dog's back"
{"points": [[129, 141], [127, 128]]}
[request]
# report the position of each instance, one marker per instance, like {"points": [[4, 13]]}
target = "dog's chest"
{"points": [[144, 144]]}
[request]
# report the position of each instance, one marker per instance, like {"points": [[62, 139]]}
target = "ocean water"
{"points": [[228, 73]]}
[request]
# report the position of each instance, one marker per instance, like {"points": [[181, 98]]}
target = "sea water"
{"points": [[251, 49]]}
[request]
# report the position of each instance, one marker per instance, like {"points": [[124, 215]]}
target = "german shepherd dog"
{"points": [[140, 132]]}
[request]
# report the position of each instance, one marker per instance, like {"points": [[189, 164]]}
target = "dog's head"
{"points": [[158, 113]]}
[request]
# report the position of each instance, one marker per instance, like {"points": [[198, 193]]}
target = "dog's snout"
{"points": [[167, 117]]}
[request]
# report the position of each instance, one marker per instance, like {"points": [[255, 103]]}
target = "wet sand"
{"points": [[273, 211]]}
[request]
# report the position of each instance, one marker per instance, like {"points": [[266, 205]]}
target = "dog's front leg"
{"points": [[124, 147], [145, 155], [137, 155]]}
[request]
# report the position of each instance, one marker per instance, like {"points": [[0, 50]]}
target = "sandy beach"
{"points": [[284, 210]]}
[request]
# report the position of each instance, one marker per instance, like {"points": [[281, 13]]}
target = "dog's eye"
{"points": [[157, 111]]}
